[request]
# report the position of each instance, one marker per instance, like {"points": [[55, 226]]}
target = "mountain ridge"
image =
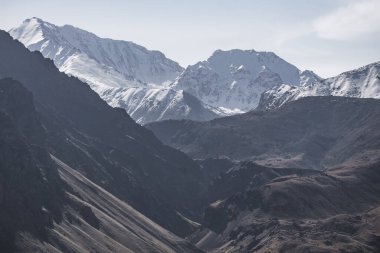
{"points": [[47, 206], [114, 69], [235, 79], [104, 143], [312, 132], [36, 31], [362, 82]]}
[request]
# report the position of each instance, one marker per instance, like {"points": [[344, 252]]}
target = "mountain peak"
{"points": [[308, 72], [235, 79], [30, 31], [85, 55], [33, 19], [231, 52]]}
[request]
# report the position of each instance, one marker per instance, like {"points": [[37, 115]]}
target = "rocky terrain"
{"points": [[313, 132], [294, 210], [301, 178], [105, 144], [94, 220], [30, 188]]}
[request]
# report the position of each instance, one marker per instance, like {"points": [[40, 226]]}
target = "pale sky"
{"points": [[326, 36]]}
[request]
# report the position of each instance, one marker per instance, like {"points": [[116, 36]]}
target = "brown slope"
{"points": [[96, 221], [285, 210]]}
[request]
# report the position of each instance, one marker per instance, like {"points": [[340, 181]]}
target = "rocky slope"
{"points": [[271, 210], [234, 80], [104, 143], [363, 82], [313, 132], [312, 184], [43, 211], [30, 189], [94, 220]]}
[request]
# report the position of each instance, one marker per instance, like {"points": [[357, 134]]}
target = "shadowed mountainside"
{"points": [[40, 212], [259, 209], [104, 143], [31, 191], [313, 132]]}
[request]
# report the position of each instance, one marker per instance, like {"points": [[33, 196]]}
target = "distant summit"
{"points": [[83, 54], [363, 82], [234, 80]]}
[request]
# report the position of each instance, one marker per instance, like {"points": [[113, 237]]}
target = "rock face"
{"points": [[43, 211], [313, 132], [31, 191], [105, 143], [234, 80], [363, 82], [124, 74], [113, 225], [271, 210]]}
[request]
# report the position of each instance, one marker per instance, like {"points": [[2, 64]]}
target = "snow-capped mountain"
{"points": [[123, 73], [149, 85], [85, 55], [147, 105], [363, 82], [234, 80]]}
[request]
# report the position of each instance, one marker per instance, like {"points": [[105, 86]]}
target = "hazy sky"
{"points": [[326, 36]]}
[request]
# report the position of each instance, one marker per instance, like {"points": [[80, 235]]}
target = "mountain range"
{"points": [[363, 82], [123, 73], [151, 87], [297, 169]]}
